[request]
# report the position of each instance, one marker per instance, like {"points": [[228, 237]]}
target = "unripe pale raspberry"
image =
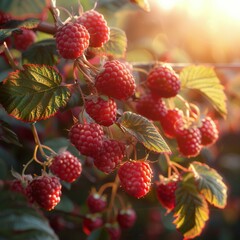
{"points": [[24, 39], [96, 202], [97, 27], [45, 191], [151, 106], [135, 177], [104, 112], [72, 40], [209, 132], [189, 141], [163, 80], [110, 156], [87, 138], [115, 81], [66, 166], [171, 121]]}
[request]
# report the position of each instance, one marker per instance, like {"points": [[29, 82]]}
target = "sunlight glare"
{"points": [[219, 8]]}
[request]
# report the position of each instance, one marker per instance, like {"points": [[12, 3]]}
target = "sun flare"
{"points": [[229, 9]]}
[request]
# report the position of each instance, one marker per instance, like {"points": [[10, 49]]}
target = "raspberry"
{"points": [[22, 40], [189, 141], [113, 230], [104, 112], [151, 107], [163, 81], [110, 156], [115, 81], [72, 40], [208, 131], [96, 203], [87, 138], [91, 222], [17, 186], [135, 177], [171, 121], [97, 27], [165, 189], [4, 18], [126, 217], [66, 166], [45, 191]]}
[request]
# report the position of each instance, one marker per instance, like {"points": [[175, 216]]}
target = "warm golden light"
{"points": [[219, 8]]}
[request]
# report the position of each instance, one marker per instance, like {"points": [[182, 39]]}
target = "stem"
{"points": [[35, 156], [37, 141], [138, 69], [26, 166], [10, 57], [113, 195], [105, 186], [46, 28], [170, 164], [180, 166]]}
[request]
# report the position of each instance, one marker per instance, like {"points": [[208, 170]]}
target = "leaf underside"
{"points": [[145, 132]]}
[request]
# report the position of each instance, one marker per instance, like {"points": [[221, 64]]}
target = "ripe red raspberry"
{"points": [[22, 40], [110, 156], [91, 222], [45, 191], [113, 230], [97, 27], [165, 189], [96, 202], [163, 81], [135, 177], [4, 18], [171, 121], [115, 81], [104, 112], [87, 138], [126, 217], [189, 141], [151, 106], [208, 131], [66, 166], [72, 40]]}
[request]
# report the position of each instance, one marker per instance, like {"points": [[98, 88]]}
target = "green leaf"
{"points": [[210, 184], [16, 216], [191, 211], [98, 234], [33, 93], [15, 25], [144, 130], [143, 4], [206, 81], [42, 52], [7, 135], [115, 47], [20, 8]]}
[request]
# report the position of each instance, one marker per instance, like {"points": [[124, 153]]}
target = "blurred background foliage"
{"points": [[181, 33]]}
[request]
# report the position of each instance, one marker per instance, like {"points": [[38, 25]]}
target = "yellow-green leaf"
{"points": [[205, 80], [144, 130], [210, 184], [191, 211], [33, 93], [115, 47]]}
